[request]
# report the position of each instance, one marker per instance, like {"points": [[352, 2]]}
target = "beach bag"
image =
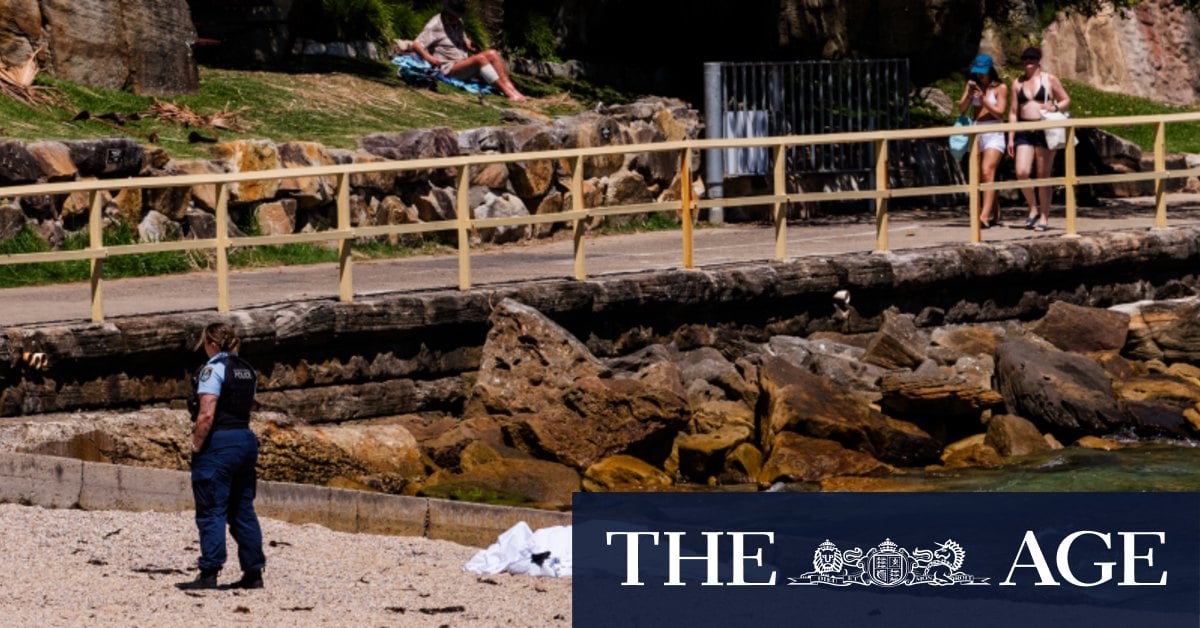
{"points": [[959, 143], [1056, 138]]}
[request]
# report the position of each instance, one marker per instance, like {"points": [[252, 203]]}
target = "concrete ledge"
{"points": [[480, 524], [54, 482], [118, 487], [43, 481]]}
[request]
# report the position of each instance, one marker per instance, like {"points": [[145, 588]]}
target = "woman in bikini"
{"points": [[1034, 93], [988, 95]]}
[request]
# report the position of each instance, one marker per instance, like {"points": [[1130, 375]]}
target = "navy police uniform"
{"points": [[223, 469]]}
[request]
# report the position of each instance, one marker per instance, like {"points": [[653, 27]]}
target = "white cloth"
{"points": [[518, 547]]}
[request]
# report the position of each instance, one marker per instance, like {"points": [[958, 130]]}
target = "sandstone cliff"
{"points": [[144, 45]]}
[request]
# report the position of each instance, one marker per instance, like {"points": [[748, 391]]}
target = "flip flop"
{"points": [[1041, 228], [1030, 222]]}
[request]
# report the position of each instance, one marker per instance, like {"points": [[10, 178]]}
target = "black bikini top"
{"points": [[1022, 98]]}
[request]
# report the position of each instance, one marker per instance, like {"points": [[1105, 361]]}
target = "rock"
{"points": [[798, 401], [716, 415], [276, 218], [383, 181], [551, 203], [502, 206], [1152, 55], [710, 365], [1061, 392], [54, 161], [520, 482], [588, 130], [172, 202], [531, 179], [384, 457], [156, 227], [17, 165], [416, 144], [250, 156], [202, 225], [742, 465], [951, 343], [492, 176], [702, 456], [204, 196], [796, 458], [946, 407], [624, 473], [1082, 329], [1095, 442], [108, 158], [49, 231], [144, 46], [1013, 436], [840, 363], [898, 344], [1160, 403], [971, 452], [626, 188], [445, 448], [592, 195], [1169, 331], [308, 192], [12, 221], [126, 207]]}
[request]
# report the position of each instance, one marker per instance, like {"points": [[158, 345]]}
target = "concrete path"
{"points": [[552, 259]]}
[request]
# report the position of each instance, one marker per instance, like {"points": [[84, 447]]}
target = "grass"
{"points": [[1090, 102], [331, 101]]}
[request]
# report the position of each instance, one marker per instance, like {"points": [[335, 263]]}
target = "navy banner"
{"points": [[887, 559]]}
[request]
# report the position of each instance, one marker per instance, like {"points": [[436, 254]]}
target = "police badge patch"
{"points": [[205, 373]]}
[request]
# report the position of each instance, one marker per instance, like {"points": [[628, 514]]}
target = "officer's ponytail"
{"points": [[222, 335]]}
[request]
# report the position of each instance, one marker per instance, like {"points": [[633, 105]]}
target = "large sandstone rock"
{"points": [[307, 191], [54, 160], [1162, 403], [17, 164], [512, 481], [624, 473], [799, 401], [1152, 53], [947, 407], [1014, 436], [142, 45], [796, 458], [1081, 329], [897, 344], [1061, 392], [1168, 331], [248, 156], [416, 144], [385, 457], [588, 130], [531, 178]]}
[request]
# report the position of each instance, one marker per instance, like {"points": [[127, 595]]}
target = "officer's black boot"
{"points": [[206, 580], [250, 580]]}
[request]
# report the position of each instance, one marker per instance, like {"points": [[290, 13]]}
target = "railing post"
{"points": [[1160, 166], [881, 183], [973, 188], [222, 247], [580, 224], [345, 263], [780, 213], [714, 115], [462, 214], [685, 210], [1069, 166], [96, 242]]}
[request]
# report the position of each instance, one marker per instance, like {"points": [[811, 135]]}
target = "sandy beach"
{"points": [[111, 568]]}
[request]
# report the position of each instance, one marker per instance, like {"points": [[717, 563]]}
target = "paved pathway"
{"points": [[552, 259]]}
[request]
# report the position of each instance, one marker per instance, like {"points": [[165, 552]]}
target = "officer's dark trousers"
{"points": [[223, 484]]}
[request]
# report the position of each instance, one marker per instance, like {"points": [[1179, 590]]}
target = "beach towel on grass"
{"points": [[419, 73]]}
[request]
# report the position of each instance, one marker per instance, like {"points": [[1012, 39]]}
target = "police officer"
{"points": [[224, 455]]}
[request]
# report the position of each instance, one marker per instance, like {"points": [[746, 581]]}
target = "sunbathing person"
{"points": [[444, 44]]}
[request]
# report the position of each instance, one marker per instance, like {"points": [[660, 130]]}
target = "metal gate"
{"points": [[802, 98]]}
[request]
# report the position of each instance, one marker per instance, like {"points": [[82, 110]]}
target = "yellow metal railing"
{"points": [[578, 215]]}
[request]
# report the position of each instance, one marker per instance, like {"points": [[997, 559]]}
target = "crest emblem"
{"points": [[888, 565], [205, 373]]}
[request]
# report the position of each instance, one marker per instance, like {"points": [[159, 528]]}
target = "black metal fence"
{"points": [[809, 97]]}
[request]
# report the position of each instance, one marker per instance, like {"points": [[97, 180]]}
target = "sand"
{"points": [[110, 568]]}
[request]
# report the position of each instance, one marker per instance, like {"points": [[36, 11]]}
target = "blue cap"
{"points": [[983, 64]]}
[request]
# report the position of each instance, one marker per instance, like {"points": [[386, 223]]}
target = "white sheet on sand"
{"points": [[520, 550]]}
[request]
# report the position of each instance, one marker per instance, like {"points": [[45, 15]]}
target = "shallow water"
{"points": [[1171, 466]]}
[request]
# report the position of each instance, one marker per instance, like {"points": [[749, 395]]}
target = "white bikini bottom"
{"points": [[991, 141]]}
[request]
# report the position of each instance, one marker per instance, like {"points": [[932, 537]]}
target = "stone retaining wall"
{"points": [[53, 482]]}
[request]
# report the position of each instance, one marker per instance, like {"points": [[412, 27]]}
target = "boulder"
{"points": [[1161, 404], [588, 130], [799, 401], [383, 181], [742, 465], [1013, 436], [624, 473], [1061, 392], [156, 227], [433, 203], [531, 179], [796, 458], [17, 165], [384, 457], [107, 158], [702, 456], [947, 407], [1082, 329], [949, 344], [250, 156], [12, 221], [54, 161], [840, 363], [1167, 330], [203, 196], [898, 344], [416, 144], [971, 453], [626, 188], [502, 206], [710, 365], [717, 415], [550, 203], [171, 202], [307, 191], [276, 218], [491, 176]]}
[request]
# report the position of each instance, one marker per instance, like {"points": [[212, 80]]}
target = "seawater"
{"points": [[1168, 466]]}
